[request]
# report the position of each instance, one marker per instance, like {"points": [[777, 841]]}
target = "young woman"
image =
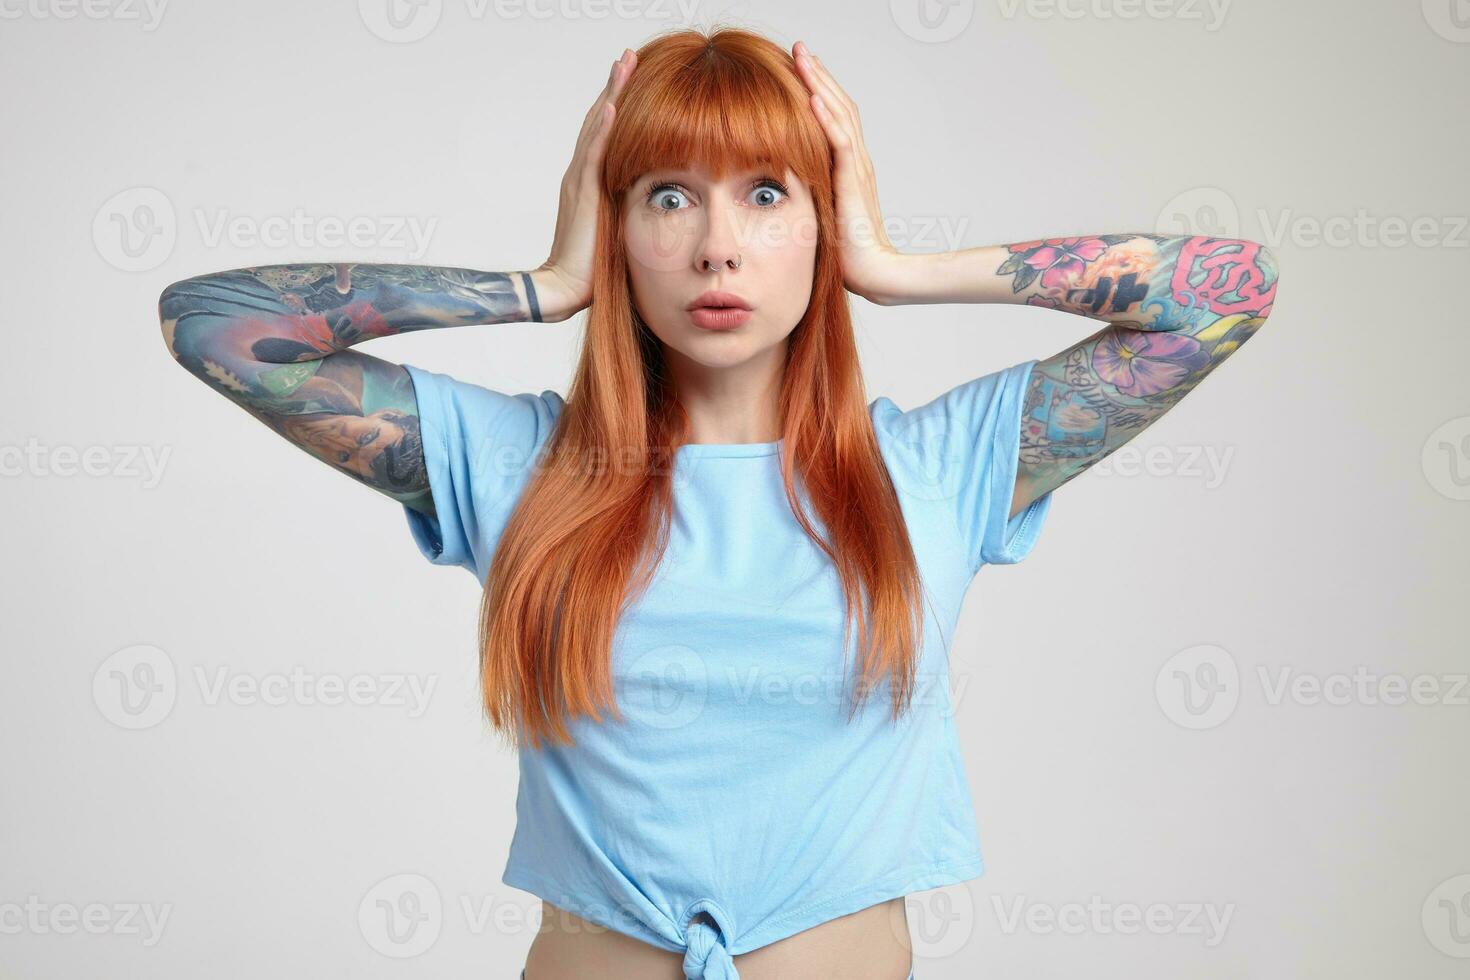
{"points": [[705, 565]]}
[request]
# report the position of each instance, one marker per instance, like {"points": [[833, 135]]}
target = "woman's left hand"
{"points": [[869, 261]]}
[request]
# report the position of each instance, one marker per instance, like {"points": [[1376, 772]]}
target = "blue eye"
{"points": [[770, 183], [661, 192], [663, 195]]}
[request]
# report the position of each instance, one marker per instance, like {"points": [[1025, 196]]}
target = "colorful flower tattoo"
{"points": [[1176, 307]]}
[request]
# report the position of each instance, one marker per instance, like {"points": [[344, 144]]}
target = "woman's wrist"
{"points": [[964, 276], [549, 298]]}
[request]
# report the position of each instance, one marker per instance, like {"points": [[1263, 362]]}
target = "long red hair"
{"points": [[589, 530]]}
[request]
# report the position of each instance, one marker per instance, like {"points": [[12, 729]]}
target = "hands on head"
{"points": [[570, 264], [869, 260]]}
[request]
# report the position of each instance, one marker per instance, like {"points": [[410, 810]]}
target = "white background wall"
{"points": [[1329, 536]]}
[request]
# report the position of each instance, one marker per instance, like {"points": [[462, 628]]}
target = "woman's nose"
{"points": [[709, 263], [721, 247]]}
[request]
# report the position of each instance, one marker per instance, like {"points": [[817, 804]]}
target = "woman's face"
{"points": [[685, 235]]}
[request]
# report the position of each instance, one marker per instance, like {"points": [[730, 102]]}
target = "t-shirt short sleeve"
{"points": [[480, 450], [961, 452]]}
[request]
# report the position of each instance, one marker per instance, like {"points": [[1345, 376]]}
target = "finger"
{"points": [[600, 132], [602, 96], [586, 167], [845, 105], [601, 124], [850, 141], [831, 95], [837, 134], [621, 73], [820, 77], [838, 131], [848, 102], [819, 96], [616, 77]]}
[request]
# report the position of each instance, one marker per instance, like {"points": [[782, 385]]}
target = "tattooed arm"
{"points": [[1176, 307], [275, 339]]}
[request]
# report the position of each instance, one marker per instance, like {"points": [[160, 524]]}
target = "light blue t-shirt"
{"points": [[735, 786]]}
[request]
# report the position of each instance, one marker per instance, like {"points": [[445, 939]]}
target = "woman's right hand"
{"points": [[564, 281]]}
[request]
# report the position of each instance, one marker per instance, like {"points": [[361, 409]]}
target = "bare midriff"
{"points": [[870, 944]]}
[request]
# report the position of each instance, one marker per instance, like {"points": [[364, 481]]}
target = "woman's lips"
{"points": [[718, 317]]}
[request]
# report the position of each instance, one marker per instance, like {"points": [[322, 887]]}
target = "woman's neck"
{"points": [[739, 403]]}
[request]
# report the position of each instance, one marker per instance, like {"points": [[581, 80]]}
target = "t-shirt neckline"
{"points": [[733, 449]]}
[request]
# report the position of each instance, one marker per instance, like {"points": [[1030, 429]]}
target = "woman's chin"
{"points": [[719, 349], [712, 347], [727, 350]]}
